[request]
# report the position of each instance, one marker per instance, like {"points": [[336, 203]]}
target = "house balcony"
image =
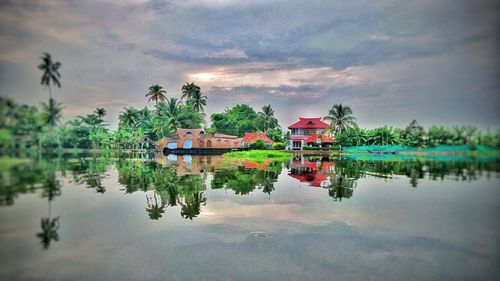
{"points": [[300, 136]]}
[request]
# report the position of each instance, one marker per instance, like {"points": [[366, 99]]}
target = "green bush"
{"points": [[278, 145], [311, 148], [259, 144]]}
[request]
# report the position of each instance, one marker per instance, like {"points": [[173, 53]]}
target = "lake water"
{"points": [[147, 217]]}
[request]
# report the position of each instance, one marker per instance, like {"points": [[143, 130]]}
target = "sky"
{"points": [[436, 61]]}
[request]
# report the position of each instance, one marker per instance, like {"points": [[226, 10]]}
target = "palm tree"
{"points": [[171, 111], [50, 72], [268, 119], [101, 112], [340, 118], [197, 102], [129, 117], [189, 90], [156, 93], [51, 112]]}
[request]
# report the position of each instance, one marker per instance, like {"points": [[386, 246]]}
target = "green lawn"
{"points": [[259, 155]]}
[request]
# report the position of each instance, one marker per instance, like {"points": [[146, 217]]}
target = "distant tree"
{"points": [[236, 120], [156, 93], [267, 117], [341, 118], [198, 102], [50, 72], [189, 90], [129, 118], [51, 112], [101, 112]]}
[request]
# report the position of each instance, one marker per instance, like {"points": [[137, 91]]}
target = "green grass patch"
{"points": [[258, 155]]}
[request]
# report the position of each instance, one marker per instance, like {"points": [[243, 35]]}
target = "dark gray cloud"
{"points": [[386, 58]]}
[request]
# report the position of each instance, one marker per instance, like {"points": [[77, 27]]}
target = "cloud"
{"points": [[386, 58]]}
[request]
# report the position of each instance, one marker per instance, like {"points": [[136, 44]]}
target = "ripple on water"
{"points": [[261, 234]]}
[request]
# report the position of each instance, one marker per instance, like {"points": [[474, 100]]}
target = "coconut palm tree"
{"points": [[101, 112], [129, 117], [156, 93], [171, 112], [341, 118], [50, 72], [51, 112], [198, 101], [189, 90], [268, 119]]}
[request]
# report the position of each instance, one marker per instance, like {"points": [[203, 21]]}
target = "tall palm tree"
{"points": [[156, 93], [341, 118], [268, 119], [198, 101], [129, 117], [51, 112], [50, 72], [171, 112], [101, 112], [189, 90]]}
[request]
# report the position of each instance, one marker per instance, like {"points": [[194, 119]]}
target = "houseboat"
{"points": [[198, 142], [309, 132]]}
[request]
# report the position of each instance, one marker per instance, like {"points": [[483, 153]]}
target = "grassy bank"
{"points": [[258, 155]]}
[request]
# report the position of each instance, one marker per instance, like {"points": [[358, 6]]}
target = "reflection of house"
{"points": [[195, 165], [308, 171], [197, 138], [251, 138], [309, 131]]}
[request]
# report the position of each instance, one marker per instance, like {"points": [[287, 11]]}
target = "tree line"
{"points": [[23, 126], [344, 127]]}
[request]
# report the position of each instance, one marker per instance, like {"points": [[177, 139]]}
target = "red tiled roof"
{"points": [[324, 139], [309, 123], [253, 137]]}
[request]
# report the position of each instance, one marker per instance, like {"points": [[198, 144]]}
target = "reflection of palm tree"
{"points": [[49, 231], [191, 208], [155, 209], [341, 186], [51, 189]]}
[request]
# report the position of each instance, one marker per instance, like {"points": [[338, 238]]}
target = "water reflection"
{"points": [[181, 181]]}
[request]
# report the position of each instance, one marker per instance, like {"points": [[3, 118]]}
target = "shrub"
{"points": [[311, 148], [278, 145], [259, 144]]}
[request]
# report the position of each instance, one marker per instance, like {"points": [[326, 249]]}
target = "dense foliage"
{"points": [[416, 135], [243, 118]]}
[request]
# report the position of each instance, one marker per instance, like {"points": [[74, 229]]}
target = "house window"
{"points": [[188, 144], [172, 145], [188, 134]]}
